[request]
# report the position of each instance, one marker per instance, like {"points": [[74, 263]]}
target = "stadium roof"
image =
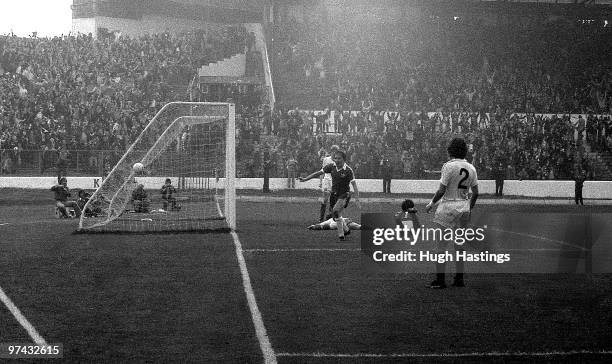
{"points": [[569, 4], [569, 8]]}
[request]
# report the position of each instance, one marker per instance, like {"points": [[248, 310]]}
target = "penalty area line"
{"points": [[21, 319], [559, 242], [446, 355], [260, 329]]}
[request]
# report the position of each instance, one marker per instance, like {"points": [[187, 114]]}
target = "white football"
{"points": [[138, 167]]}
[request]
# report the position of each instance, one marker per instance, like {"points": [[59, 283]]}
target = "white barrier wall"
{"points": [[565, 189]]}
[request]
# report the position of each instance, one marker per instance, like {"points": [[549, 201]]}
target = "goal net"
{"points": [[185, 183]]}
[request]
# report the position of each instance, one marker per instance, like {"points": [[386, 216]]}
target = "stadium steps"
{"points": [[253, 64], [235, 66]]}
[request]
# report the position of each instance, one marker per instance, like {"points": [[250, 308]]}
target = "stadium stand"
{"points": [[77, 93], [395, 92], [487, 81]]}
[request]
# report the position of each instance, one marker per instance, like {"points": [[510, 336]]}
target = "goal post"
{"points": [[230, 168], [190, 145]]}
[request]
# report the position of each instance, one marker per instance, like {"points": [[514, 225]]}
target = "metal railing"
{"points": [[51, 162]]}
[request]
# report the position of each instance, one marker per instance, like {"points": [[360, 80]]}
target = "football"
{"points": [[138, 167]]}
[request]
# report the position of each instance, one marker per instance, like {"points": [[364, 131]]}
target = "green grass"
{"points": [[126, 298], [179, 298]]}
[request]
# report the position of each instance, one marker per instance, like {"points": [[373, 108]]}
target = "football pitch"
{"points": [[278, 291]]}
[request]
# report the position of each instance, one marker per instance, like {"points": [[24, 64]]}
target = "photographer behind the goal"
{"points": [[62, 192]]}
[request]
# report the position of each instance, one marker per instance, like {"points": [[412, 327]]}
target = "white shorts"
{"points": [[326, 184], [453, 214]]}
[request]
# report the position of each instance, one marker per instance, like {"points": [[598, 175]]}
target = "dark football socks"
{"points": [[322, 212]]}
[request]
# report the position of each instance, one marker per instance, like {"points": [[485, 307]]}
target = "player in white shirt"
{"points": [[325, 183], [330, 224], [458, 178]]}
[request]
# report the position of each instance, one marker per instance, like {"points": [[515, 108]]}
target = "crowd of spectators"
{"points": [[529, 146], [443, 77], [393, 92], [440, 65], [85, 93]]}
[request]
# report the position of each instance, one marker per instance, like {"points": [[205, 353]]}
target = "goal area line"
{"points": [[221, 230]]}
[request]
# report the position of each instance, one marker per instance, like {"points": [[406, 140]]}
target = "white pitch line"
{"points": [[538, 237], [21, 319], [291, 250], [4, 223], [219, 208], [444, 355], [260, 329]]}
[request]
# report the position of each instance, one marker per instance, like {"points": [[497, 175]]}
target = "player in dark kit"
{"points": [[408, 215], [342, 179]]}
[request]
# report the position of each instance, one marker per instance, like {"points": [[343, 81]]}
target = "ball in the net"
{"points": [[138, 167]]}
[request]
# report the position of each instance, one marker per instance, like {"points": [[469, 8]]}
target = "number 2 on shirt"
{"points": [[467, 175]]}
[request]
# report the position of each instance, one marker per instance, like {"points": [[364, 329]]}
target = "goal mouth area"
{"points": [[185, 176], [159, 221]]}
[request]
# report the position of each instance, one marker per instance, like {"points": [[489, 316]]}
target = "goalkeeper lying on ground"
{"points": [[330, 224]]}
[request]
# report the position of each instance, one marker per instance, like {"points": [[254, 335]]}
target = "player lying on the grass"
{"points": [[325, 184], [331, 224], [454, 210], [340, 196], [167, 191], [62, 192]]}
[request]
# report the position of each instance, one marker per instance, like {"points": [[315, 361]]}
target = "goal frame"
{"points": [[229, 182]]}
